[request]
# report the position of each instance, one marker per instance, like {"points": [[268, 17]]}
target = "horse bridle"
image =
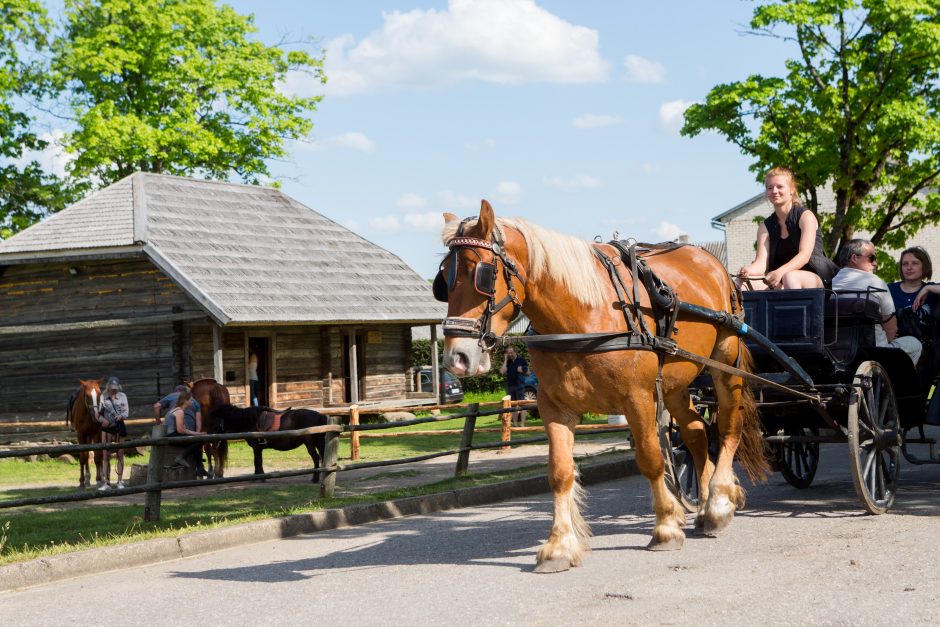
{"points": [[484, 282]]}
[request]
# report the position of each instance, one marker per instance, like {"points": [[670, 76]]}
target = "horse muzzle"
{"points": [[463, 357]]}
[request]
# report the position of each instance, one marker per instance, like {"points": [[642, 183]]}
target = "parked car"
{"points": [[451, 391], [531, 386]]}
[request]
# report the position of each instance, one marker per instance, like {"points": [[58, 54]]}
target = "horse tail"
{"points": [[223, 455], [751, 452]]}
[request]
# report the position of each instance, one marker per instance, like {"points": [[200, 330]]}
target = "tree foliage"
{"points": [[178, 87], [27, 192], [859, 108]]}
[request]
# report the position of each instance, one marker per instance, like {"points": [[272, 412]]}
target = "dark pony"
{"points": [[211, 394], [82, 412], [230, 419]]}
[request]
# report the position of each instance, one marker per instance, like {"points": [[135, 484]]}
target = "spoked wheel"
{"points": [[874, 438], [681, 478], [799, 460]]}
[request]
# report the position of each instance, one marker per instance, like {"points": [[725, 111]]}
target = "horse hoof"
{"points": [[713, 529], [673, 544], [552, 566]]}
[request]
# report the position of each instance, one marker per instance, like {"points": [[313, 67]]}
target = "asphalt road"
{"points": [[792, 557]]}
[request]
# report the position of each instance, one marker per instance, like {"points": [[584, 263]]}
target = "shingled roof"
{"points": [[247, 254]]}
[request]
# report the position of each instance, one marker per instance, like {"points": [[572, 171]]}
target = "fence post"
{"points": [[466, 440], [330, 459], [354, 435], [504, 418], [155, 475]]}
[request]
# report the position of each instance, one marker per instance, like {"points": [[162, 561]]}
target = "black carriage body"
{"points": [[829, 335]]}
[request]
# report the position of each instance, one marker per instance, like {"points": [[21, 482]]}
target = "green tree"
{"points": [[27, 193], [858, 109], [178, 87]]}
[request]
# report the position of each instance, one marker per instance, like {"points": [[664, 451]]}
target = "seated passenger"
{"points": [[917, 303], [858, 261], [789, 245]]}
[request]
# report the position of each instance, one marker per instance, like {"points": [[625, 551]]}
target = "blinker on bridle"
{"points": [[484, 282]]}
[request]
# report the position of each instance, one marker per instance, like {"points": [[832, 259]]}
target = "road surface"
{"points": [[792, 557]]}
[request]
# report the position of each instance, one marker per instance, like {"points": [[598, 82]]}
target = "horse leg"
{"points": [[83, 469], [568, 541], [310, 442], [256, 449], [695, 437], [670, 517], [209, 450], [740, 432], [99, 470]]}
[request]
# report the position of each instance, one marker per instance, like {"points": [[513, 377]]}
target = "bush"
{"points": [[489, 382]]}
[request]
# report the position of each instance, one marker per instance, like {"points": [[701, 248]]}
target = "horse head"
{"points": [[91, 396], [482, 279]]}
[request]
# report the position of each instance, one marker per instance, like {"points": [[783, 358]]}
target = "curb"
{"points": [[92, 561]]}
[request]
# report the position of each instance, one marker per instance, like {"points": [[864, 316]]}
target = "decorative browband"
{"points": [[469, 241]]}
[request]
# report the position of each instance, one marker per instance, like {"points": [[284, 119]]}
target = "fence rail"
{"points": [[158, 443]]}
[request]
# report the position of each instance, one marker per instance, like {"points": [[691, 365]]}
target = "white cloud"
{"points": [[671, 116], [353, 141], [411, 201], [578, 181], [590, 120], [52, 159], [389, 224], [668, 231], [497, 41], [431, 221], [508, 192], [451, 201], [643, 70]]}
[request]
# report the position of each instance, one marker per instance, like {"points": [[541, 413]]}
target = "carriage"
{"points": [[821, 379]]}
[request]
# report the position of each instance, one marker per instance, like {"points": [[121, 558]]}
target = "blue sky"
{"points": [[565, 113]]}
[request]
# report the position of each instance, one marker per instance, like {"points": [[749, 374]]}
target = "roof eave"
{"points": [[74, 254]]}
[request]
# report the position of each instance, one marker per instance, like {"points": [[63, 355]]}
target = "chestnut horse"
{"points": [[561, 285], [210, 394], [83, 414]]}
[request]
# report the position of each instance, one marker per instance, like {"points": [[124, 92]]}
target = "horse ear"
{"points": [[449, 217], [487, 218]]}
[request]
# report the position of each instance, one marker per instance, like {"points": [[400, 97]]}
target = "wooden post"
{"points": [[504, 419], [435, 367], [353, 369], [466, 440], [330, 459], [155, 475], [217, 372], [354, 435]]}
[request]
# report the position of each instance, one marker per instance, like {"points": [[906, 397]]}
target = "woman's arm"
{"points": [[759, 265], [180, 423], [930, 288]]}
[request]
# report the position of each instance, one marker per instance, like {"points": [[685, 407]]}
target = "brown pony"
{"points": [[563, 288], [83, 414], [211, 395]]}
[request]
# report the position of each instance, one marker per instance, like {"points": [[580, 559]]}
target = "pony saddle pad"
{"points": [[269, 421]]}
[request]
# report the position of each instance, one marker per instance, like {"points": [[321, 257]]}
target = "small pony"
{"points": [[82, 412], [230, 419]]}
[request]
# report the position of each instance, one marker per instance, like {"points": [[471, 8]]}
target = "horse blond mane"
{"points": [[564, 258]]}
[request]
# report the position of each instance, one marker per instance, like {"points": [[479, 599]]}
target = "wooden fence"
{"points": [[330, 464]]}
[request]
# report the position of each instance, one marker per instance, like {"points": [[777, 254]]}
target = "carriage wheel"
{"points": [[799, 460], [874, 438], [681, 478]]}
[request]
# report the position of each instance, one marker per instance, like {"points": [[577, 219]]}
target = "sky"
{"points": [[564, 113]]}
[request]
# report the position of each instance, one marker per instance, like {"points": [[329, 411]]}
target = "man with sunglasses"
{"points": [[858, 261]]}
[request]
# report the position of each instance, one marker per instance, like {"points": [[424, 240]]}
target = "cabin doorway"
{"points": [[354, 392], [260, 348]]}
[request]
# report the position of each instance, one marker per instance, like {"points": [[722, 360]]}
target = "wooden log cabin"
{"points": [[158, 279]]}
